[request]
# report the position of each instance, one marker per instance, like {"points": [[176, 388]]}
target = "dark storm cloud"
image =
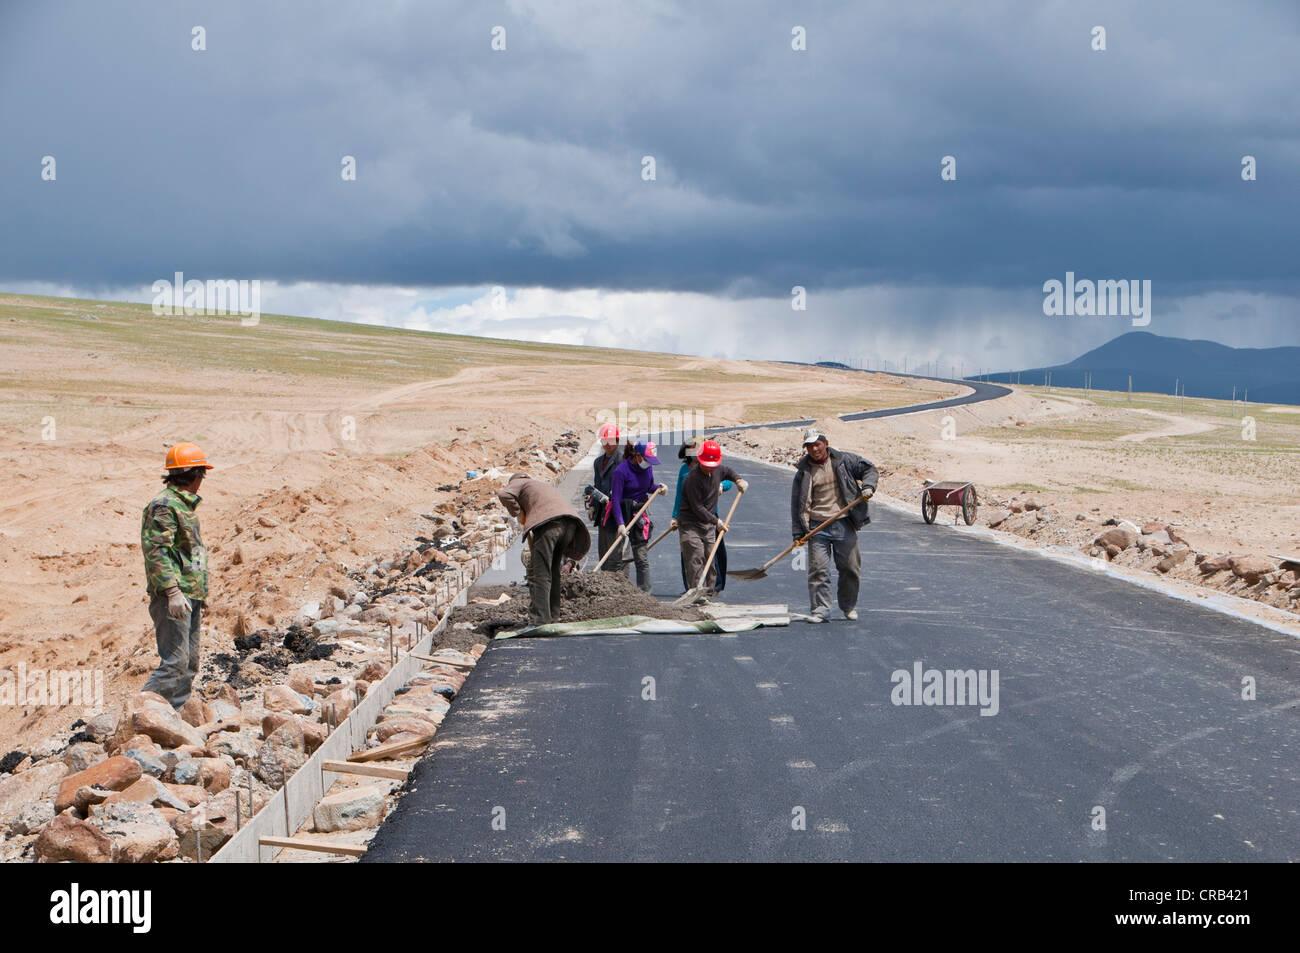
{"points": [[775, 168]]}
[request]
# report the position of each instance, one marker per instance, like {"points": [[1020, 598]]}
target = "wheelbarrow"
{"points": [[949, 493]]}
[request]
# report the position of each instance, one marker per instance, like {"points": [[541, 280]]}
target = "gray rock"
{"points": [[33, 817], [326, 629], [149, 763]]}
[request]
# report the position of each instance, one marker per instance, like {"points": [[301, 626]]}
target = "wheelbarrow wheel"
{"points": [[929, 508], [969, 504]]}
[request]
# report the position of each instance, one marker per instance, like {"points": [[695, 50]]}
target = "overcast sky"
{"points": [[523, 168]]}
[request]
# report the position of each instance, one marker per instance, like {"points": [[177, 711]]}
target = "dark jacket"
{"points": [[603, 470], [852, 473], [536, 503], [700, 492]]}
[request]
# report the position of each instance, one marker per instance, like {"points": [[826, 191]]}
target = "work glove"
{"points": [[178, 607], [622, 530], [722, 526], [868, 492], [742, 485], [672, 524]]}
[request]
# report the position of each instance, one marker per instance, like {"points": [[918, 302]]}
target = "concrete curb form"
{"points": [[290, 806]]}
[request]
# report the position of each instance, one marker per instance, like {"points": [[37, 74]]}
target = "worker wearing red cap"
{"points": [[597, 494], [698, 522], [176, 572]]}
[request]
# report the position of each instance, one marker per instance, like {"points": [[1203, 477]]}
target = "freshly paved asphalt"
{"points": [[980, 391], [1110, 696]]}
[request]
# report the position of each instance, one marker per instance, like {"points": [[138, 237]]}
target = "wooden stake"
{"points": [[302, 843], [369, 770]]}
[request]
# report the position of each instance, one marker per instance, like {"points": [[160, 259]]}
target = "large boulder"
{"points": [[284, 698], [197, 712], [351, 809], [72, 839], [139, 833], [149, 791], [409, 724], [281, 754], [38, 783], [33, 817], [214, 823], [1251, 568], [1118, 537], [164, 725], [114, 774], [83, 755], [1176, 556], [238, 745], [125, 729], [1216, 564]]}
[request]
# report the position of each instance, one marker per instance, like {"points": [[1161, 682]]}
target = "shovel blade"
{"points": [[747, 573], [690, 596]]}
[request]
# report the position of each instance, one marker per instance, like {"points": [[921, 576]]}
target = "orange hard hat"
{"points": [[710, 454], [186, 455]]}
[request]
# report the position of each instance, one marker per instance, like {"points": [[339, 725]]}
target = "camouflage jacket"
{"points": [[174, 554]]}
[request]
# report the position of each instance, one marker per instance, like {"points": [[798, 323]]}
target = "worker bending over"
{"points": [[554, 530]]}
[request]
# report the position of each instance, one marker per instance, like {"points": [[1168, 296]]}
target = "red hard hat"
{"points": [[710, 454], [609, 432]]}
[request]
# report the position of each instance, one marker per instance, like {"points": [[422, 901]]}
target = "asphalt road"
{"points": [[980, 391], [1109, 697]]}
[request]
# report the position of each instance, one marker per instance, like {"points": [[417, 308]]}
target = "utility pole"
{"points": [[1130, 388]]}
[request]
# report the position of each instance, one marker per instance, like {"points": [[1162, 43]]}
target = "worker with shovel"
{"points": [[176, 572], [596, 497], [831, 485], [698, 524], [689, 454], [632, 485], [554, 531]]}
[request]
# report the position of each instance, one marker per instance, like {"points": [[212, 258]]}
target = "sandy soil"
{"points": [[331, 441]]}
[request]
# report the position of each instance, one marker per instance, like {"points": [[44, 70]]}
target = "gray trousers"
{"points": [[840, 541], [696, 541], [178, 651], [547, 547]]}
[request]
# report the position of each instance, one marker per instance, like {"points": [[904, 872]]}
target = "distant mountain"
{"points": [[1202, 368]]}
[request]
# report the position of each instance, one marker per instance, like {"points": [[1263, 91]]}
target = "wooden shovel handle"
{"points": [[718, 542], [636, 516], [812, 532]]}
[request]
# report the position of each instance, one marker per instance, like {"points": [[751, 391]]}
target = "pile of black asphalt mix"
{"points": [[585, 595]]}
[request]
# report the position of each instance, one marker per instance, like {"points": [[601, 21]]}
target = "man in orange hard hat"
{"points": [[176, 572]]}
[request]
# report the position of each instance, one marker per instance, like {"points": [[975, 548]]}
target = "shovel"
{"points": [[618, 543], [761, 571], [691, 595], [658, 538]]}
